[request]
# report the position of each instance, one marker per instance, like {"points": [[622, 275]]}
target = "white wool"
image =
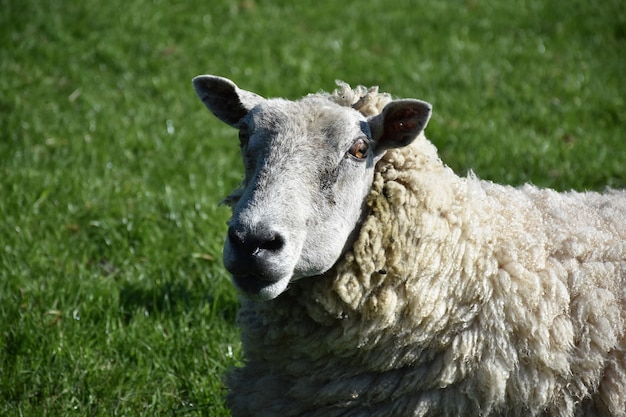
{"points": [[459, 297], [368, 101]]}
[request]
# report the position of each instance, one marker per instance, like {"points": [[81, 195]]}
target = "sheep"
{"points": [[377, 282]]}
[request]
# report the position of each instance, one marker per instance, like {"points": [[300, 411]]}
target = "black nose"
{"points": [[254, 251]]}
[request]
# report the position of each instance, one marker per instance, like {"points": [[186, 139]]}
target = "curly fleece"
{"points": [[459, 297]]}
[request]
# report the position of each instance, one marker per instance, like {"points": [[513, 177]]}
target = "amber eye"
{"points": [[359, 149]]}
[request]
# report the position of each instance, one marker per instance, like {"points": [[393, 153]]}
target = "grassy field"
{"points": [[113, 300]]}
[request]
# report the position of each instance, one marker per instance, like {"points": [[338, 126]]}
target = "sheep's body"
{"points": [[494, 300], [459, 297]]}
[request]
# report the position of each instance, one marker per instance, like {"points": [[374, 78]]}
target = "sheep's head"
{"points": [[309, 167]]}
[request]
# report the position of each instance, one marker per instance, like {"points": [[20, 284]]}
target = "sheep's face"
{"points": [[309, 167]]}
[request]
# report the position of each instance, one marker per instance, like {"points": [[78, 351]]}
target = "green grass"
{"points": [[113, 300]]}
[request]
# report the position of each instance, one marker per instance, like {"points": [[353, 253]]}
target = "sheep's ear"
{"points": [[225, 100], [400, 122]]}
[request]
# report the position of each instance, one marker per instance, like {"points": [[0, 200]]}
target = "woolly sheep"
{"points": [[379, 283]]}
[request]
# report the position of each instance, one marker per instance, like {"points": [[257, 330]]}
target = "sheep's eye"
{"points": [[244, 135], [359, 149]]}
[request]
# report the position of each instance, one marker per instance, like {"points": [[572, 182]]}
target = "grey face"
{"points": [[309, 167]]}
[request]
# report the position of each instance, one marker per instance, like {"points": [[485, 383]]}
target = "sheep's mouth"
{"points": [[259, 288], [250, 284]]}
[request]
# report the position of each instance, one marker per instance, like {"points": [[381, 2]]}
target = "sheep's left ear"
{"points": [[400, 122], [225, 100]]}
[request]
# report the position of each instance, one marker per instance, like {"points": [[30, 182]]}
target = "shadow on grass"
{"points": [[173, 298]]}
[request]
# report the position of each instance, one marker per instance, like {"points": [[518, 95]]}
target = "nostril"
{"points": [[236, 237], [273, 244], [256, 243], [265, 245]]}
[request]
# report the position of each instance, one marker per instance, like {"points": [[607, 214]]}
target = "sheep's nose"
{"points": [[256, 244], [254, 251]]}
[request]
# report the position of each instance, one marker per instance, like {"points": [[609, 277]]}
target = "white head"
{"points": [[309, 167]]}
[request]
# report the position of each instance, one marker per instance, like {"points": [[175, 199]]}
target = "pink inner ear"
{"points": [[401, 127], [404, 125], [404, 122]]}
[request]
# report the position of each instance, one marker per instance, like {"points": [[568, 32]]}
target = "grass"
{"points": [[113, 300]]}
